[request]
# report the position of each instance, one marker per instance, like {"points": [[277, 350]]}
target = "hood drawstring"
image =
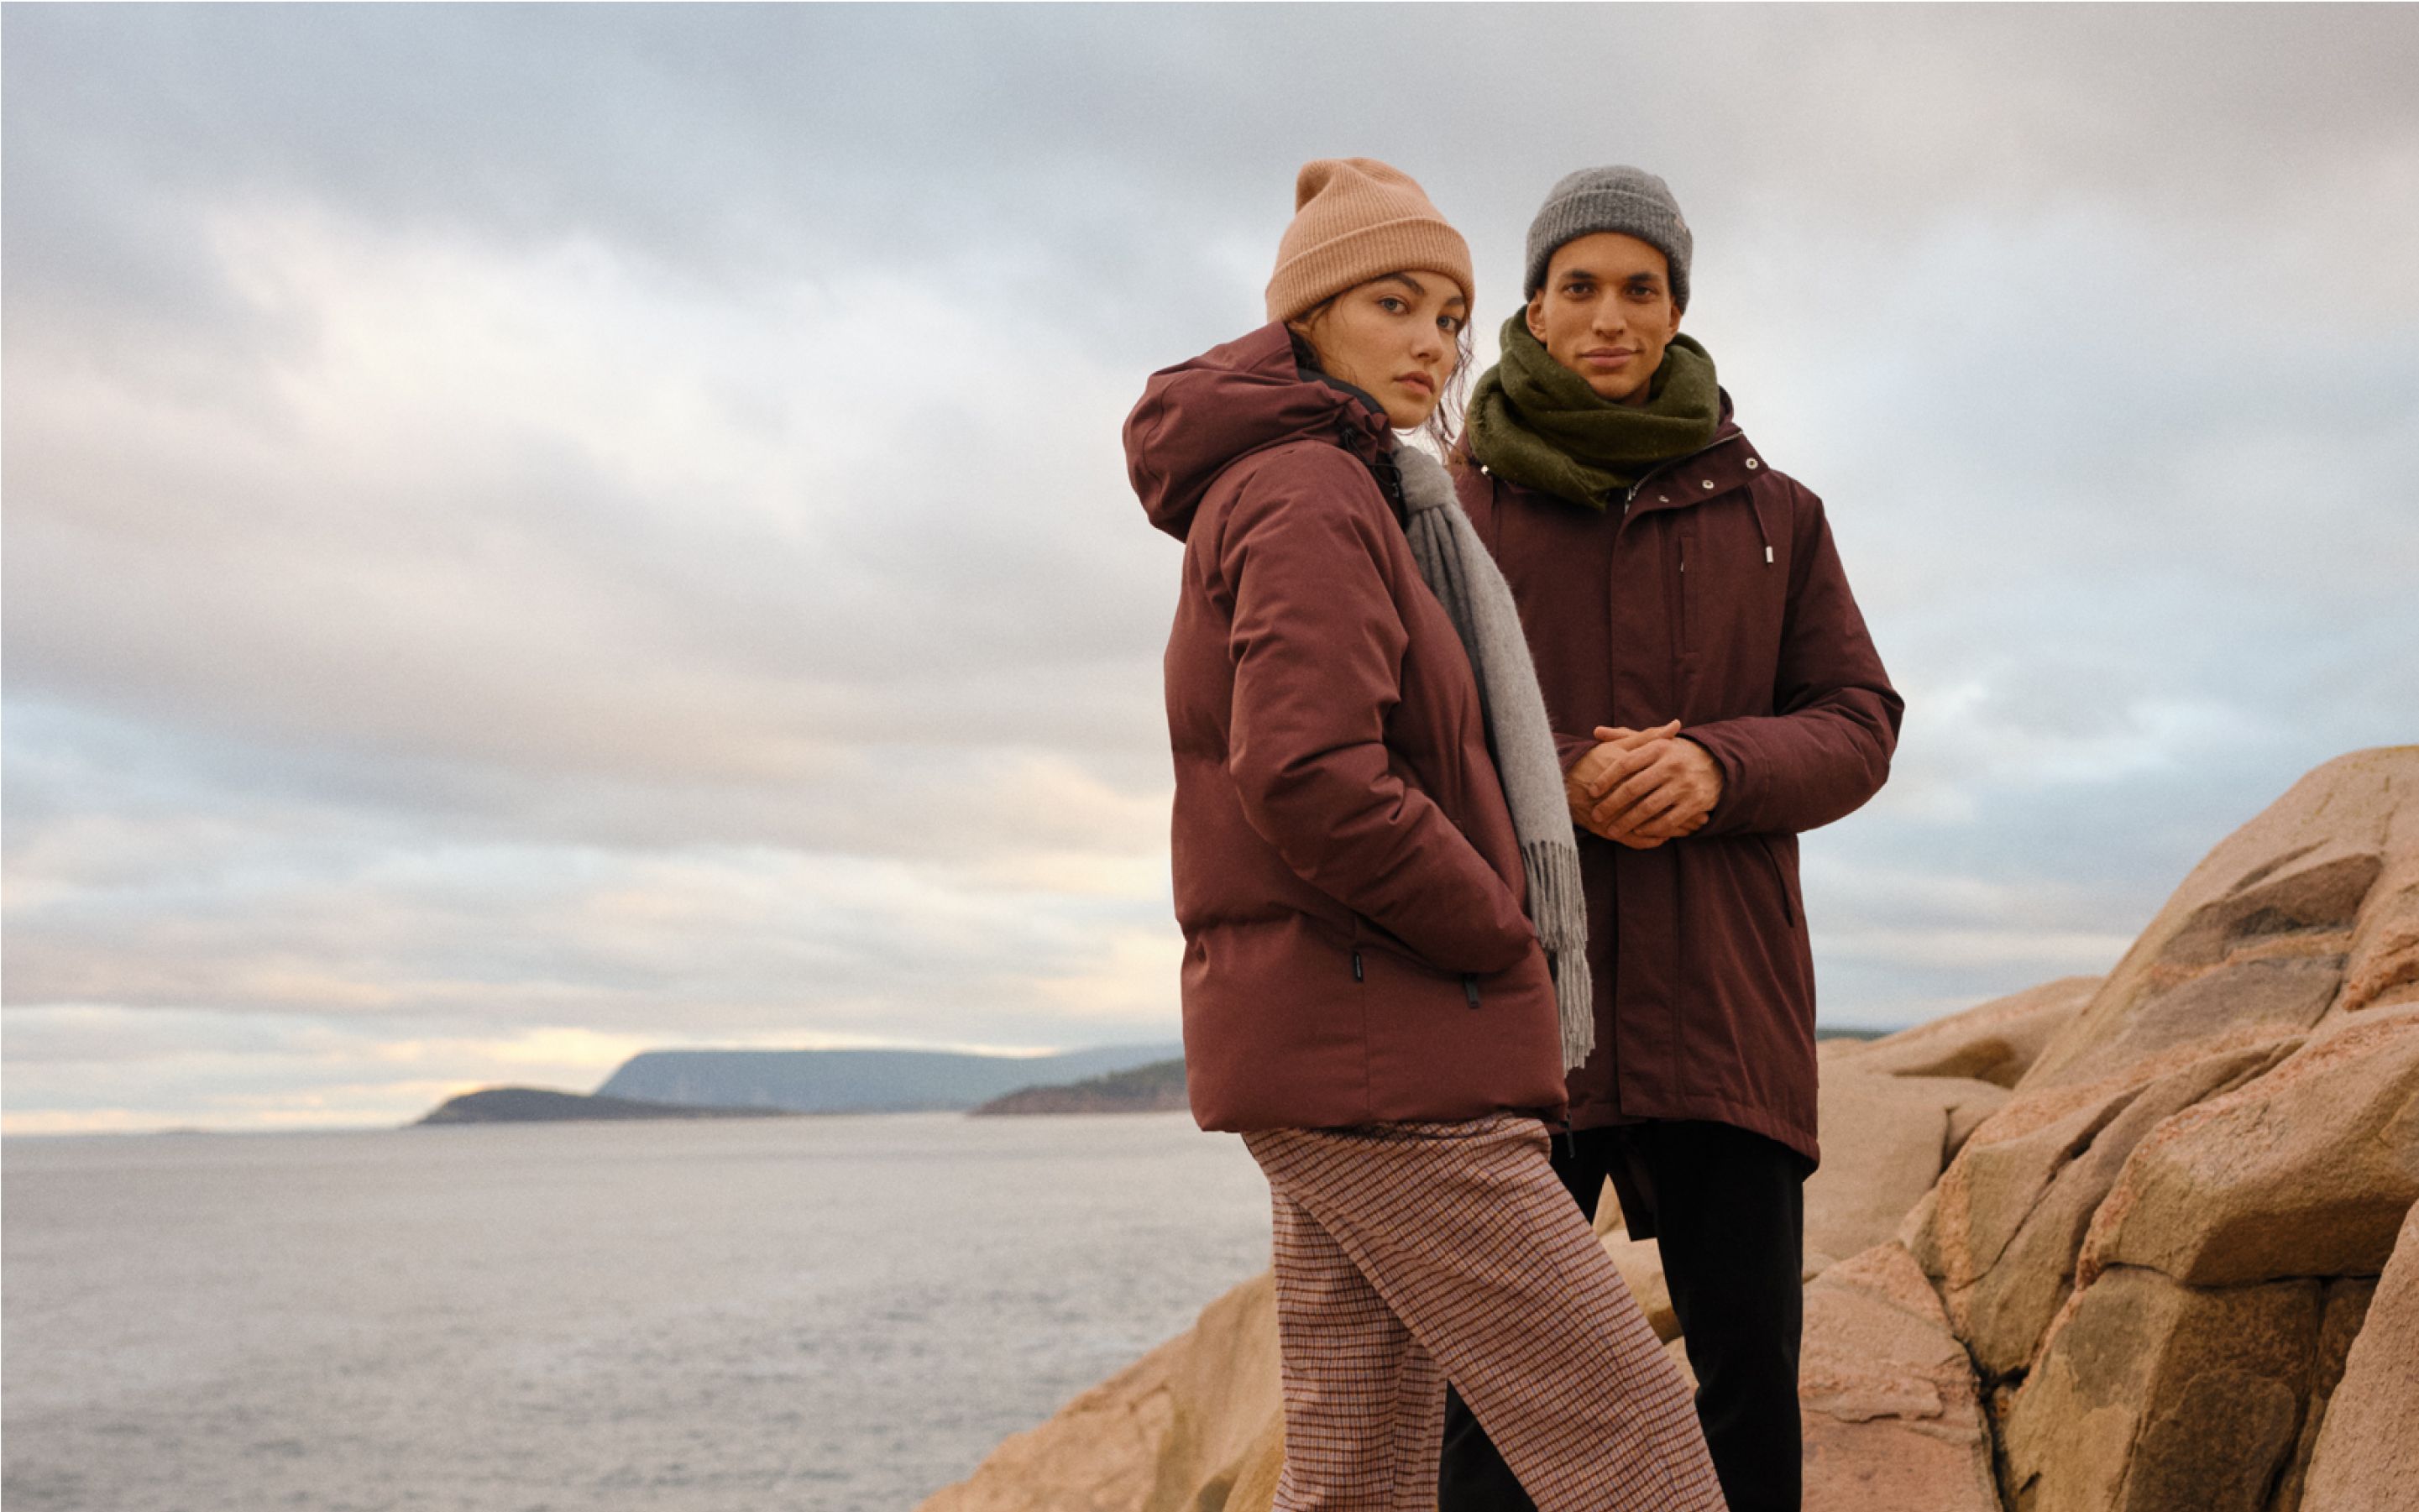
{"points": [[1755, 508]]}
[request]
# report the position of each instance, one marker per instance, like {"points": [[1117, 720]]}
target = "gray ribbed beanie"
{"points": [[1628, 200]]}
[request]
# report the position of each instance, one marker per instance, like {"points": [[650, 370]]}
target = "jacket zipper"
{"points": [[1680, 597]]}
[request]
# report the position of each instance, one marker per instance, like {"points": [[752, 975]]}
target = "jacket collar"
{"points": [[1728, 462]]}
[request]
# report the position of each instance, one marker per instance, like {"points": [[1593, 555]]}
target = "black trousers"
{"points": [[1728, 1209]]}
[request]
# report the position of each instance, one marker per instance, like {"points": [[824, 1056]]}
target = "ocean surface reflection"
{"points": [[832, 1314]]}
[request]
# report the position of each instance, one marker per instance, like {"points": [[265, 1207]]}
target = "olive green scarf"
{"points": [[1538, 424]]}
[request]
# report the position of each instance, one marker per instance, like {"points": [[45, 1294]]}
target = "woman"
{"points": [[1364, 998]]}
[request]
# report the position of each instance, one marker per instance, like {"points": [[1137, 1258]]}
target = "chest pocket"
{"points": [[1731, 584]]}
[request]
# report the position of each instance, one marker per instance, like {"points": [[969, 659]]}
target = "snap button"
{"points": [[1709, 482], [1753, 463], [1663, 498]]}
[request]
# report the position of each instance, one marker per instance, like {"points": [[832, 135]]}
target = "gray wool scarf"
{"points": [[1471, 588]]}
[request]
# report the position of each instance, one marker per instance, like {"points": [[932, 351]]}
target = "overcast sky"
{"points": [[534, 534]]}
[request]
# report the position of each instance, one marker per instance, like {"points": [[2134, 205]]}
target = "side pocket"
{"points": [[1779, 877], [1369, 940]]}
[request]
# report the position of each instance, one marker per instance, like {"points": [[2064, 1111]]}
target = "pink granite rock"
{"points": [[2367, 1458], [1892, 1414], [1995, 1042], [2307, 1170]]}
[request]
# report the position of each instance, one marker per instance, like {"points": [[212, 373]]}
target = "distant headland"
{"points": [[539, 1104], [690, 1084]]}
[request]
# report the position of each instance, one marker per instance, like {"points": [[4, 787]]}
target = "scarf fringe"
{"points": [[1558, 904]]}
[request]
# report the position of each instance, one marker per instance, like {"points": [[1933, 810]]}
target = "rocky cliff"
{"points": [[2144, 1242], [1158, 1088]]}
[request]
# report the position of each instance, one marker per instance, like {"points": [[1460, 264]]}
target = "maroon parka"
{"points": [[1713, 597], [1347, 875]]}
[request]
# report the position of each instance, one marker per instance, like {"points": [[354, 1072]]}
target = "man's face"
{"points": [[1606, 313]]}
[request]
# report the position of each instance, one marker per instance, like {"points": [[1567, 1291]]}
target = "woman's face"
{"points": [[1395, 338]]}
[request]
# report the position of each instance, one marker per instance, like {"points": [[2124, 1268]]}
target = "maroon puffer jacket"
{"points": [[1345, 872], [1716, 598]]}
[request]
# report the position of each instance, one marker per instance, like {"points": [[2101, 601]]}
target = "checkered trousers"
{"points": [[1409, 1253]]}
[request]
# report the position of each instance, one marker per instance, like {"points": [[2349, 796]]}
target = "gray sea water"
{"points": [[825, 1313]]}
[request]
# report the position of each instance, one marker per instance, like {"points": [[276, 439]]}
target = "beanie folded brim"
{"points": [[1628, 201], [1411, 243], [1356, 219]]}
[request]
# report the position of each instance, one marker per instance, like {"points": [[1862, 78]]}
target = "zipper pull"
{"points": [[1470, 988], [1356, 966]]}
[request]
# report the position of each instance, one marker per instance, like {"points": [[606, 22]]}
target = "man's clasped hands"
{"points": [[1640, 788]]}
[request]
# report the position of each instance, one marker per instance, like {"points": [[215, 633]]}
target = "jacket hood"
{"points": [[1238, 397]]}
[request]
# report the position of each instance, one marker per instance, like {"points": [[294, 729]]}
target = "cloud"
{"points": [[1095, 157]]}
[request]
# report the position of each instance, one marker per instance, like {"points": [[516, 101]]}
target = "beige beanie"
{"points": [[1356, 219]]}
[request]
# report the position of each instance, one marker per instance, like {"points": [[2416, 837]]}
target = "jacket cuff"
{"points": [[1725, 815]]}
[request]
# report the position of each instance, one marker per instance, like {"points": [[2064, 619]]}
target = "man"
{"points": [[1665, 572]]}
